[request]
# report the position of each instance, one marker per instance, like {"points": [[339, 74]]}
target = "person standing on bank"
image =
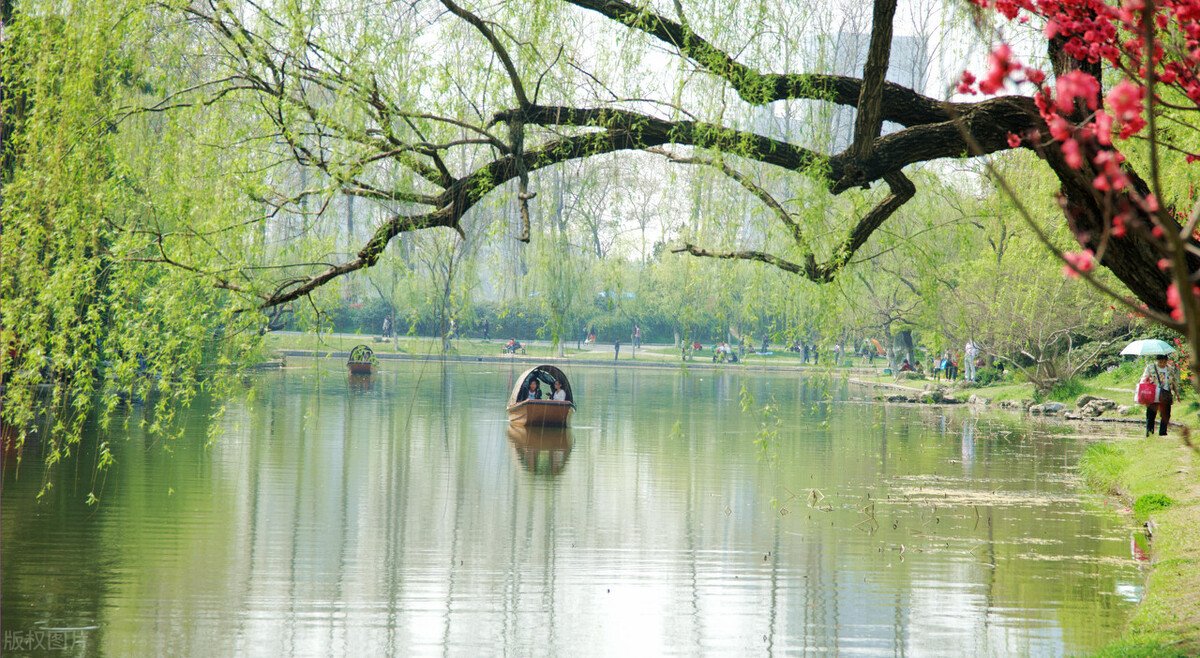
{"points": [[970, 353], [1165, 376]]}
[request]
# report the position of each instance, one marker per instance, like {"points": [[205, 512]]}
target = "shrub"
{"points": [[1068, 390], [986, 375], [1148, 504]]}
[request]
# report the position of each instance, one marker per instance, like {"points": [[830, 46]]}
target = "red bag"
{"points": [[1147, 393]]}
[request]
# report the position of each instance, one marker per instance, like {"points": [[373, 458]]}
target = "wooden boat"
{"points": [[362, 360], [544, 413]]}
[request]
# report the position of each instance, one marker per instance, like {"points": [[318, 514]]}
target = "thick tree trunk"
{"points": [[904, 342]]}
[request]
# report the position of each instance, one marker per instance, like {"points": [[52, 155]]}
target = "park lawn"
{"points": [[414, 345]]}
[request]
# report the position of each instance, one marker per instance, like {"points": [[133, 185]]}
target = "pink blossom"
{"points": [[1125, 99], [1174, 301], [1070, 150], [1013, 140], [1059, 128], [1072, 86], [1082, 261], [1000, 65], [966, 83], [1104, 123]]}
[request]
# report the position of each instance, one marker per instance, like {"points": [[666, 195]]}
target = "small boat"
{"points": [[362, 360], [545, 413]]}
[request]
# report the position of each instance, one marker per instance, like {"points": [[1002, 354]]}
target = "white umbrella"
{"points": [[1148, 347]]}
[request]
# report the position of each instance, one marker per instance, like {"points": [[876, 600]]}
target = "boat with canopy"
{"points": [[362, 360], [523, 410]]}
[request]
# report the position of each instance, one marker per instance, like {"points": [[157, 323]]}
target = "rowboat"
{"points": [[362, 360], [544, 413]]}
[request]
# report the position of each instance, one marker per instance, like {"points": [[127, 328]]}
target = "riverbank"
{"points": [[1140, 473]]}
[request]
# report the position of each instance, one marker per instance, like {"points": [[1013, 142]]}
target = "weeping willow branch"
{"points": [[902, 190]]}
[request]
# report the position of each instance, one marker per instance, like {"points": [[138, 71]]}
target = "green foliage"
{"points": [[987, 376], [1068, 391], [767, 436], [91, 320], [1147, 504]]}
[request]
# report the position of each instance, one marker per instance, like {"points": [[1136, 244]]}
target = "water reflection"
{"points": [[540, 450], [359, 383], [390, 519], [968, 445]]}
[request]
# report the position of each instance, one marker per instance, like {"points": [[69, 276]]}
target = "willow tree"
{"points": [[458, 105], [91, 317]]}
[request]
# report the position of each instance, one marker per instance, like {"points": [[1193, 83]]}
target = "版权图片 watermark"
{"points": [[44, 639]]}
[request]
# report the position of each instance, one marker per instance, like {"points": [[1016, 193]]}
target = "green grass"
{"points": [[415, 346], [1151, 503], [1069, 390], [1103, 465], [1167, 623], [1144, 645]]}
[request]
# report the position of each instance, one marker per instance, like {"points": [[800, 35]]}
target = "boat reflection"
{"points": [[540, 450], [359, 382]]}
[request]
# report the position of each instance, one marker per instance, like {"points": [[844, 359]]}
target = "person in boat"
{"points": [[531, 392], [560, 394]]}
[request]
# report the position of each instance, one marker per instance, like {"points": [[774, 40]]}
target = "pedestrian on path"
{"points": [[1165, 377], [616, 349]]}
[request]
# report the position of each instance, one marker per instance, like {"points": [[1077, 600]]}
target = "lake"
{"points": [[683, 513]]}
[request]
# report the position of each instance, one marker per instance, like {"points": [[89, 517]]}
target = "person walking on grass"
{"points": [[1165, 376]]}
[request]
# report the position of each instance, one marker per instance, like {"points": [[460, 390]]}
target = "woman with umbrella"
{"points": [[1165, 377]]}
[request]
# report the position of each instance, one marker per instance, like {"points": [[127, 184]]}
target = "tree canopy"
{"points": [[427, 108]]}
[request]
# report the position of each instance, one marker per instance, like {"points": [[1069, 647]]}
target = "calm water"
{"points": [[400, 516]]}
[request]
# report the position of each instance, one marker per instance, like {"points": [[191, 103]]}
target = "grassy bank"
{"points": [[1157, 478], [416, 345]]}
